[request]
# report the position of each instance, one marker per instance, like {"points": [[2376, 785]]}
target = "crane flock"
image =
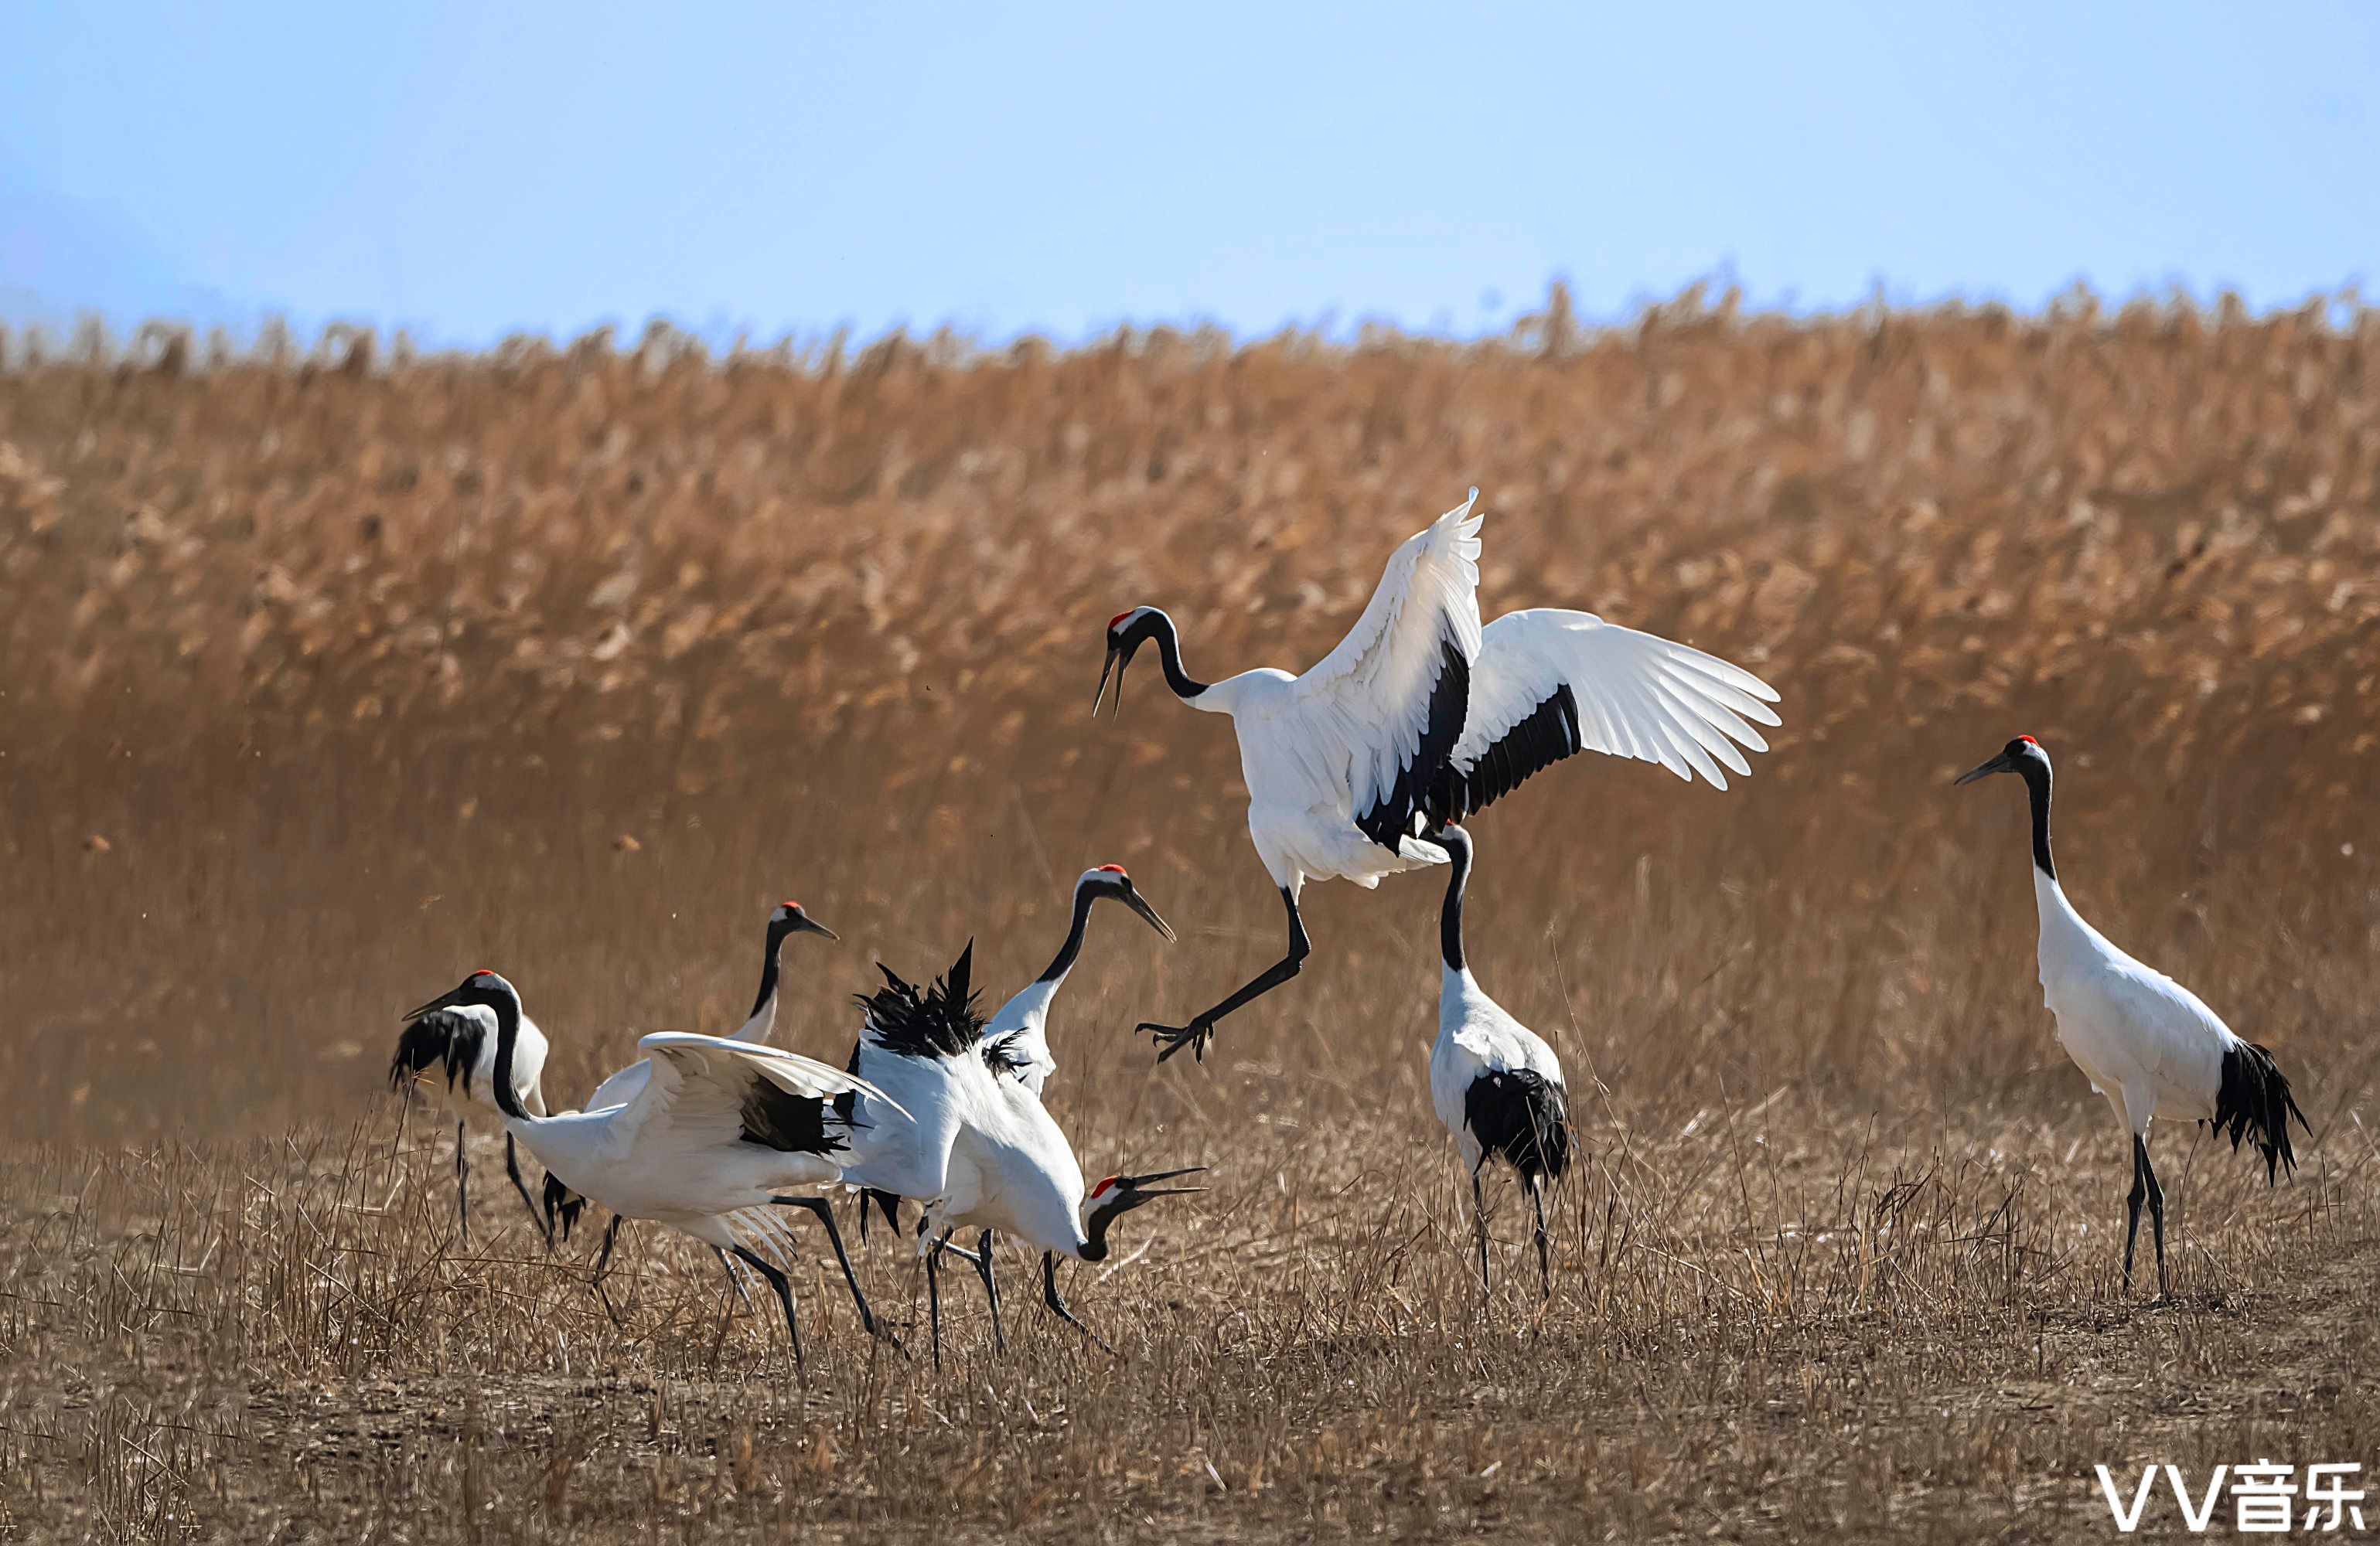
{"points": [[1370, 763]]}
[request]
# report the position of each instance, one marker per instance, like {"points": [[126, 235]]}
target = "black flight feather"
{"points": [[1391, 819], [1545, 736]]}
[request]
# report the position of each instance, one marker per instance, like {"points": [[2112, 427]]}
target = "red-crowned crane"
{"points": [[978, 1150], [461, 1040], [2143, 1041], [720, 1133], [1421, 717], [1495, 1082]]}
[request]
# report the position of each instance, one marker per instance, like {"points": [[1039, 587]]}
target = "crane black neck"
{"points": [[777, 946], [1160, 627], [1063, 962], [1094, 1238], [508, 1009], [1457, 844], [2036, 773]]}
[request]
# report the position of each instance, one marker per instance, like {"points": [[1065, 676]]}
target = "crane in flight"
{"points": [[1422, 717]]}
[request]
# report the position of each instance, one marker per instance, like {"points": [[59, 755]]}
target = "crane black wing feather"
{"points": [[777, 1118], [447, 1036], [1545, 736], [1390, 818]]}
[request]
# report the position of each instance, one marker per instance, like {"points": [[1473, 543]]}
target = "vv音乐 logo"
{"points": [[2264, 1499]]}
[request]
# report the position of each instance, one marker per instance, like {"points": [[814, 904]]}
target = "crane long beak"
{"points": [[1999, 764], [452, 995], [1114, 654], [1138, 1185], [1133, 900], [807, 925]]}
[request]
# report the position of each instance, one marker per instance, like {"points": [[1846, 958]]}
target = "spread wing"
{"points": [[1549, 683], [707, 1089], [1378, 715]]}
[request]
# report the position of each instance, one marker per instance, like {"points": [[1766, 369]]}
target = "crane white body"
{"points": [[1421, 715], [2146, 1043], [2149, 1046]]}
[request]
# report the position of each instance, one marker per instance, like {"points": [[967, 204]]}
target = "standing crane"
{"points": [[720, 1133], [462, 1041], [1495, 1082], [1421, 717], [979, 1150], [2146, 1043]]}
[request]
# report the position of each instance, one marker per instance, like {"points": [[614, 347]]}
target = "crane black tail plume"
{"points": [[2254, 1104], [563, 1207], [1525, 1117], [943, 1021], [440, 1036]]}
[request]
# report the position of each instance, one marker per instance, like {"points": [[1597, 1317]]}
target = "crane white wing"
{"points": [[622, 1086], [705, 1090], [1551, 684], [1373, 720]]}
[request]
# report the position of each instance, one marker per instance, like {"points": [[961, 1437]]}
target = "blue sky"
{"points": [[467, 171]]}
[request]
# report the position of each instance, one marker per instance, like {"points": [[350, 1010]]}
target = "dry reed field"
{"points": [[326, 679]]}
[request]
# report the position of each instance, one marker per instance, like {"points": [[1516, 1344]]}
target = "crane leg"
{"points": [[2132, 1202], [1172, 1039], [1058, 1306], [463, 1183], [1545, 1249], [818, 1205], [2157, 1210], [934, 1304], [602, 1261], [990, 1290], [733, 1281], [1479, 1226], [785, 1297], [512, 1169]]}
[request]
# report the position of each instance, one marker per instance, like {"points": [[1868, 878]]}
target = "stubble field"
{"points": [[323, 681]]}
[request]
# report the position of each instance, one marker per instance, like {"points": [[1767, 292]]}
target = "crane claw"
{"points": [[1172, 1039]]}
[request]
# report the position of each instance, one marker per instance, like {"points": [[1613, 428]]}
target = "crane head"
{"points": [[482, 986], [2024, 755], [789, 918], [1110, 880], [1118, 1195], [1127, 631]]}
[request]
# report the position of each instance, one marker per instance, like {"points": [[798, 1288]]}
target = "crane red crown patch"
{"points": [[2028, 741], [1100, 1190], [1122, 615], [1113, 869], [483, 972], [791, 906]]}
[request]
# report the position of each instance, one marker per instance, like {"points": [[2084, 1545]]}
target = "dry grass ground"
{"points": [[323, 682]]}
